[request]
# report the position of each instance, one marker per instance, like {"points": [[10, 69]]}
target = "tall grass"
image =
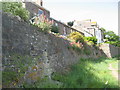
{"points": [[88, 73]]}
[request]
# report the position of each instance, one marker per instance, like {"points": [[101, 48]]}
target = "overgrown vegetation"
{"points": [[44, 24], [78, 43], [55, 29], [88, 73], [92, 40], [76, 36], [76, 48], [70, 23], [15, 8], [111, 38]]}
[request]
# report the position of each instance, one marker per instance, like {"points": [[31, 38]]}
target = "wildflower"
{"points": [[106, 82], [18, 70]]}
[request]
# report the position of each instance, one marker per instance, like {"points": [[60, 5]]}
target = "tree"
{"points": [[102, 29], [70, 23], [55, 29], [112, 38], [15, 8]]}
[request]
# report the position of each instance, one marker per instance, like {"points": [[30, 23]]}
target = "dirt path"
{"points": [[114, 71]]}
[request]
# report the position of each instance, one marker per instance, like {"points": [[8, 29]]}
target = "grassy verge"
{"points": [[89, 73]]}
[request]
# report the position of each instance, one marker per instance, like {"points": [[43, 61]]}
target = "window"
{"points": [[56, 24], [64, 31], [40, 12]]}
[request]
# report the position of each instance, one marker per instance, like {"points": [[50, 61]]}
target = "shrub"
{"points": [[15, 8], [44, 26], [115, 43], [42, 22], [92, 40], [76, 36], [55, 29], [70, 23]]}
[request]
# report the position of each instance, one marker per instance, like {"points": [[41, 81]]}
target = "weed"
{"points": [[88, 73]]}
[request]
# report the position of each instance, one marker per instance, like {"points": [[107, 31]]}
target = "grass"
{"points": [[114, 64], [88, 73]]}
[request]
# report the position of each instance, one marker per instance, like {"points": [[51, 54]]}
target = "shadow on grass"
{"points": [[88, 73]]}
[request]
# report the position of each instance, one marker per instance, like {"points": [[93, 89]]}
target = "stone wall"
{"points": [[41, 53], [19, 37], [110, 50]]}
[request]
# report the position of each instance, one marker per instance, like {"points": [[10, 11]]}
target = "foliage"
{"points": [[92, 40], [44, 26], [112, 38], [88, 73], [43, 83], [70, 23], [115, 43], [76, 36], [103, 29], [87, 51], [43, 23], [15, 8], [55, 29], [76, 48]]}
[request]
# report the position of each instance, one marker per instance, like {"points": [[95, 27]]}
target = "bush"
{"points": [[15, 8], [92, 40], [42, 22], [44, 26], [55, 29], [115, 43], [70, 23], [76, 36]]}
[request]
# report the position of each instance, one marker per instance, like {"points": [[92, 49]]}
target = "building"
{"points": [[89, 29], [63, 28], [36, 8]]}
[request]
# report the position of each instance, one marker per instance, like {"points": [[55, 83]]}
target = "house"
{"points": [[63, 28], [36, 9], [89, 29]]}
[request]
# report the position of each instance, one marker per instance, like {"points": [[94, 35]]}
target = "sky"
{"points": [[104, 12]]}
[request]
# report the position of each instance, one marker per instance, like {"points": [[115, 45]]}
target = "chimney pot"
{"points": [[41, 3]]}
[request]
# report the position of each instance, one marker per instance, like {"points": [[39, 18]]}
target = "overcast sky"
{"points": [[105, 12]]}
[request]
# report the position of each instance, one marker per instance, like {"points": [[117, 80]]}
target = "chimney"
{"points": [[41, 3]]}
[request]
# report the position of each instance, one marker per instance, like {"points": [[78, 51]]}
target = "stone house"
{"points": [[89, 29], [36, 8], [63, 28]]}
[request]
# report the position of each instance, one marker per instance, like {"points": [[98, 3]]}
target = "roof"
{"points": [[93, 23], [40, 6], [67, 25]]}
